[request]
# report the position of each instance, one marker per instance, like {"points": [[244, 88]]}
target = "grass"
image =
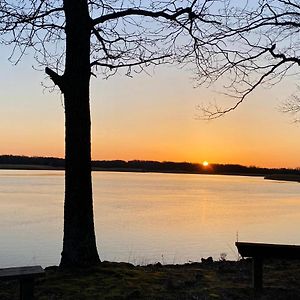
{"points": [[117, 281]]}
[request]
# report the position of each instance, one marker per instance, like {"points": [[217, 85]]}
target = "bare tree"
{"points": [[261, 46], [76, 39]]}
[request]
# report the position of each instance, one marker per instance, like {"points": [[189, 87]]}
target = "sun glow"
{"points": [[205, 164]]}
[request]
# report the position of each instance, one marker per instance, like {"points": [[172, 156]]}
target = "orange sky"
{"points": [[151, 118]]}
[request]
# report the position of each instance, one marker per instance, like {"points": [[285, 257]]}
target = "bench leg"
{"points": [[26, 288], [257, 274]]}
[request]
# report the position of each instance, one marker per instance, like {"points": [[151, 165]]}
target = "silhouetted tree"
{"points": [[261, 46], [75, 39]]}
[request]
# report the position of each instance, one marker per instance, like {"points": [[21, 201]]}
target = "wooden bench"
{"points": [[259, 252], [26, 276]]}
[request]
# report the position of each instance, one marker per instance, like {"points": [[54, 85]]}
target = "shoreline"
{"points": [[283, 177], [19, 162], [199, 281], [125, 170], [274, 177]]}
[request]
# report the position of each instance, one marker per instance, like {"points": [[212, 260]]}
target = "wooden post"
{"points": [[257, 274], [26, 288]]}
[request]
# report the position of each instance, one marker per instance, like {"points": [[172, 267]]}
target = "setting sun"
{"points": [[205, 163]]}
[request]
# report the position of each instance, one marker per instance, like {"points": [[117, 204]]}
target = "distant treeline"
{"points": [[53, 162], [13, 161]]}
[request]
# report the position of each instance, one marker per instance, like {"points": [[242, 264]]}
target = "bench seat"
{"points": [[26, 276], [268, 250], [260, 251]]}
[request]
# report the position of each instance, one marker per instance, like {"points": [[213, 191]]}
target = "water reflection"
{"points": [[143, 217]]}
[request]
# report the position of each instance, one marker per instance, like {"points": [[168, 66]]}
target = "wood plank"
{"points": [[21, 272], [268, 250]]}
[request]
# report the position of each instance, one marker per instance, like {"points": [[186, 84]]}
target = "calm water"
{"points": [[144, 218]]}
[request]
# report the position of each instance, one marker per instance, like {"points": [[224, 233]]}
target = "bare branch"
{"points": [[260, 47], [141, 12], [57, 79]]}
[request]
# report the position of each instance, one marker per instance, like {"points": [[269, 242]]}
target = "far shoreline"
{"points": [[281, 177], [20, 162], [129, 170]]}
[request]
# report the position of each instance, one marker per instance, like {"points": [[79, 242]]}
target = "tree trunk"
{"points": [[79, 243]]}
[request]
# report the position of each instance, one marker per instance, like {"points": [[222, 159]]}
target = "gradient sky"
{"points": [[148, 118]]}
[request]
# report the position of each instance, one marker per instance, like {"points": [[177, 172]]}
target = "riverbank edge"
{"points": [[195, 281], [283, 177], [51, 168], [277, 177]]}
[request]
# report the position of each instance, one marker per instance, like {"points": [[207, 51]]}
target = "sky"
{"points": [[148, 118]]}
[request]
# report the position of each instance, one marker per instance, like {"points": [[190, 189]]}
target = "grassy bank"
{"points": [[218, 280]]}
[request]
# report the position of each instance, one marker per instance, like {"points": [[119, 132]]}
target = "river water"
{"points": [[147, 217]]}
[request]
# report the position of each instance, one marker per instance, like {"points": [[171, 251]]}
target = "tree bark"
{"points": [[79, 242]]}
